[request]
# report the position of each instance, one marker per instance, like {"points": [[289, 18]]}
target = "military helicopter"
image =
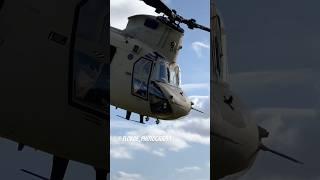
{"points": [[237, 138], [54, 93], [144, 75]]}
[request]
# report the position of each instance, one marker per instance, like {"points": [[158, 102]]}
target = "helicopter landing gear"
{"points": [[147, 118], [157, 121], [141, 119], [128, 115]]}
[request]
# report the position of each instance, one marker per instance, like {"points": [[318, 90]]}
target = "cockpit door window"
{"points": [[140, 79]]}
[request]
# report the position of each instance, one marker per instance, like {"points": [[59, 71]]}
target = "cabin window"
{"points": [[89, 70], [140, 78], [151, 23], [90, 81]]}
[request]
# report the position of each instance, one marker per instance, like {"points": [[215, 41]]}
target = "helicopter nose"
{"points": [[181, 105]]}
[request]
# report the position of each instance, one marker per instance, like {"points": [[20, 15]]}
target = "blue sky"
{"points": [[187, 156]]}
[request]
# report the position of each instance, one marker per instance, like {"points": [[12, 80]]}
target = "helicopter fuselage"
{"points": [[144, 74], [235, 134]]}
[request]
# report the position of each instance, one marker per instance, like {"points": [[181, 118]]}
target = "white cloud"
{"points": [[188, 169], [121, 175], [198, 47], [123, 149], [120, 153], [120, 10], [279, 120], [185, 132], [160, 152]]}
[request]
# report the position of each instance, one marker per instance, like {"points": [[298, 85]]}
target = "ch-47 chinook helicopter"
{"points": [[144, 74], [237, 138], [54, 88]]}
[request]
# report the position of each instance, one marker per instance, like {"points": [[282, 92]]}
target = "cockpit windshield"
{"points": [[166, 73]]}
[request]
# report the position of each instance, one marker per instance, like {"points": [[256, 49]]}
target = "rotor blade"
{"points": [[265, 148], [34, 174], [203, 28], [197, 110], [160, 7], [191, 23]]}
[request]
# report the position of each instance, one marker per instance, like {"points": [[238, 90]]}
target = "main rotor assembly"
{"points": [[173, 16]]}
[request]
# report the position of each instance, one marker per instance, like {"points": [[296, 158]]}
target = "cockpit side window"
{"points": [[162, 73], [175, 75], [140, 78]]}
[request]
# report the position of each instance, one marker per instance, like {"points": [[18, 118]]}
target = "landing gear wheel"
{"points": [[141, 119], [147, 118], [157, 121]]}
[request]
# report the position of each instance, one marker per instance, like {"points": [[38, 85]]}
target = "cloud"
{"points": [[184, 132], [120, 153], [292, 132], [120, 10], [188, 169], [278, 122], [160, 152], [195, 87], [286, 103], [121, 175], [198, 47], [123, 149], [284, 88]]}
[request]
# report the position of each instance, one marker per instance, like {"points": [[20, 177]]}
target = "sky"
{"points": [[273, 55], [173, 161], [273, 51], [187, 156]]}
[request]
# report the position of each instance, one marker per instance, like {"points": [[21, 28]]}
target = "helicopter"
{"points": [[236, 137], [145, 77], [54, 93]]}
